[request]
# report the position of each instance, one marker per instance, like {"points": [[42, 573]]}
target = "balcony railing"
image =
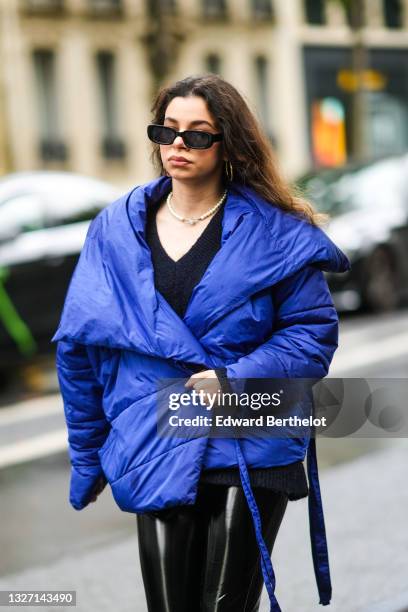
{"points": [[262, 10], [42, 7], [214, 9], [101, 8]]}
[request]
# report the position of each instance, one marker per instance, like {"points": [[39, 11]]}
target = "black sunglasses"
{"points": [[194, 139]]}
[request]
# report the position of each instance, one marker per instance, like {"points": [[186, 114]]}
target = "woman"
{"points": [[212, 274]]}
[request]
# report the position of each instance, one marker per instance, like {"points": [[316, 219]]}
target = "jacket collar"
{"points": [[112, 300]]}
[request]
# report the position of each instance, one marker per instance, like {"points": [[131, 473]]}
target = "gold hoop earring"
{"points": [[229, 170]]}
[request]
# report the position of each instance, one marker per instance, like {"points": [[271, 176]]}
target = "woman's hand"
{"points": [[206, 381], [98, 488]]}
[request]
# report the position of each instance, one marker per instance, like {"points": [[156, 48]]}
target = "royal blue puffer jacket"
{"points": [[262, 309]]}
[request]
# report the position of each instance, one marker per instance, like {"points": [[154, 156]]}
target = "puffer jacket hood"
{"points": [[261, 309]]}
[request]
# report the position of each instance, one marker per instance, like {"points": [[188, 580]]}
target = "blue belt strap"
{"points": [[316, 523], [266, 564], [317, 528]]}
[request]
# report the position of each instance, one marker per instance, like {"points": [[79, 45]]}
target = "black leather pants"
{"points": [[205, 558]]}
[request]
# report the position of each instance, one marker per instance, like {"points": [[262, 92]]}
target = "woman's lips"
{"points": [[179, 162]]}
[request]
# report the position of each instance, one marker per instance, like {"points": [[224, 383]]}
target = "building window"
{"points": [[262, 88], [392, 10], [314, 11], [156, 8], [262, 9], [43, 6], [214, 9], [112, 145], [168, 6], [213, 63], [354, 12], [51, 145], [104, 7]]}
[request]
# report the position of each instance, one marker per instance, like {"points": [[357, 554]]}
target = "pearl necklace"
{"points": [[194, 220]]}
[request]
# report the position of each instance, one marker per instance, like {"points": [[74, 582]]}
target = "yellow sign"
{"points": [[371, 80]]}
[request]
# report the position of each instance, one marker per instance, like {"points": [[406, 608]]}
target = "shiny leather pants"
{"points": [[205, 558]]}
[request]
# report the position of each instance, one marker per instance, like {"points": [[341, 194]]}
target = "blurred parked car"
{"points": [[44, 217], [368, 206]]}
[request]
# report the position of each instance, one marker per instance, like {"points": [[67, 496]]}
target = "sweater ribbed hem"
{"points": [[289, 479]]}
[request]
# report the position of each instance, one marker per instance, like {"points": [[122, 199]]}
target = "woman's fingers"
{"points": [[207, 382], [194, 378]]}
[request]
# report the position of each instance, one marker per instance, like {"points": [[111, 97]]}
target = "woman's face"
{"points": [[191, 113]]}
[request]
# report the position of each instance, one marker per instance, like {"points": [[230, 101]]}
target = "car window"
{"points": [[380, 186], [66, 212], [22, 213], [36, 211]]}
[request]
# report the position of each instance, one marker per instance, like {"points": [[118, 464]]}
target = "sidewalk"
{"points": [[365, 503]]}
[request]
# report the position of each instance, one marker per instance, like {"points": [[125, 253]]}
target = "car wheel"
{"points": [[381, 292]]}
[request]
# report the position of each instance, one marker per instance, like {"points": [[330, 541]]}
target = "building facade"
{"points": [[77, 77]]}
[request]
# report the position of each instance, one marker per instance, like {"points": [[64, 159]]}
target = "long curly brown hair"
{"points": [[248, 149]]}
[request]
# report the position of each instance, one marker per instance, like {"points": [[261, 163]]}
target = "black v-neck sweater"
{"points": [[175, 280]]}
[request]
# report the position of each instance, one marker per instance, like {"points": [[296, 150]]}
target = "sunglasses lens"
{"points": [[196, 140], [160, 134]]}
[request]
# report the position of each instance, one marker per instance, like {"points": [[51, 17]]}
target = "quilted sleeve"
{"points": [[85, 419], [305, 334]]}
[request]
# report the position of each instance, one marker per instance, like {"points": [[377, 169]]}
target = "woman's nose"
{"points": [[179, 141]]}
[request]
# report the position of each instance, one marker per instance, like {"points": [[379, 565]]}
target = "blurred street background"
{"points": [[328, 80]]}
